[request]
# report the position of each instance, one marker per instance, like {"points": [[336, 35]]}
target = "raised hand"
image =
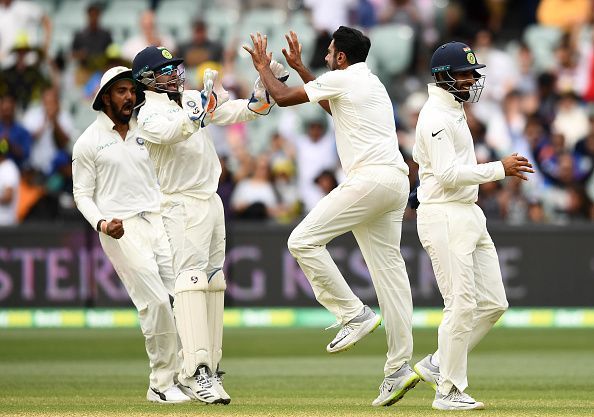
{"points": [[293, 55], [516, 165], [260, 58]]}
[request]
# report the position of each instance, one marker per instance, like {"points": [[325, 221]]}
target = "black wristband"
{"points": [[99, 224]]}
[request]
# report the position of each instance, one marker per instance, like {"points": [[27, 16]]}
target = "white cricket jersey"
{"points": [[363, 117], [113, 178], [183, 154], [444, 150]]}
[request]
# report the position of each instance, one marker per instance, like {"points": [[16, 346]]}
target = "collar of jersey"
{"points": [[357, 66], [443, 96], [108, 124], [155, 96]]}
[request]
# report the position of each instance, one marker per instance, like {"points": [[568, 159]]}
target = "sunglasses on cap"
{"points": [[168, 70]]}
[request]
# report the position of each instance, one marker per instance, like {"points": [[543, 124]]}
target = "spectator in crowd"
{"points": [[24, 78], [35, 204], [563, 14], [506, 124], [326, 17], [501, 71], [254, 197], [52, 128], [149, 36], [566, 69], [571, 119], [326, 181], [23, 18], [19, 138], [285, 187], [200, 48], [226, 186], [522, 104], [9, 186], [89, 44], [316, 151]]}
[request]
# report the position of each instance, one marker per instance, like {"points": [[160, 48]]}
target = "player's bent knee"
{"points": [[157, 318], [463, 317], [217, 281], [191, 280], [296, 243]]}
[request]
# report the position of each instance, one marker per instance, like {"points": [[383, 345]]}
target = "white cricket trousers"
{"points": [[370, 203], [468, 275], [142, 260], [196, 230]]}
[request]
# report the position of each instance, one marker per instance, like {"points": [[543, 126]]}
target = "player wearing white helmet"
{"points": [[174, 122], [452, 228], [115, 188]]}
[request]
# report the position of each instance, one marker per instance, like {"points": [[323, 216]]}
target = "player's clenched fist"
{"points": [[115, 228], [515, 165]]}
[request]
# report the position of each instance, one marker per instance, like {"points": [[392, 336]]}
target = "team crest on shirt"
{"points": [[140, 141]]}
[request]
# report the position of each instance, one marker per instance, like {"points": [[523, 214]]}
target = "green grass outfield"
{"points": [[286, 372]]}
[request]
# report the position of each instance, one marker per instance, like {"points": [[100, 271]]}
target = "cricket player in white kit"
{"points": [[370, 202], [452, 228], [115, 188], [174, 122]]}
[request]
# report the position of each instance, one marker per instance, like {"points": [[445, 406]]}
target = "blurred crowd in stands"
{"points": [[538, 99]]}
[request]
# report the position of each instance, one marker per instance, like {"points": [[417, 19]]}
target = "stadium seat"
{"points": [[300, 24], [121, 18], [70, 16], [260, 131], [49, 6], [391, 49], [542, 41], [222, 24], [263, 20], [175, 17]]}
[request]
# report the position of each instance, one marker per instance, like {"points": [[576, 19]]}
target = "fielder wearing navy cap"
{"points": [[150, 63], [454, 57]]}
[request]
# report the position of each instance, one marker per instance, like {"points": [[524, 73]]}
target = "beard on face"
{"points": [[119, 112]]}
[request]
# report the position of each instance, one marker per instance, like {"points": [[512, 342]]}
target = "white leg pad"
{"points": [[191, 319], [215, 301]]}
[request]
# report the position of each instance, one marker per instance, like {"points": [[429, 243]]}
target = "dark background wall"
{"points": [[46, 266]]}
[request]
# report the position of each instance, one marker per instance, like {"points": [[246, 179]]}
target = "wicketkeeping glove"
{"points": [[200, 105], [260, 102], [193, 103]]}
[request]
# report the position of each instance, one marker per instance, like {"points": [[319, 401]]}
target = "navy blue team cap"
{"points": [[153, 58], [454, 57]]}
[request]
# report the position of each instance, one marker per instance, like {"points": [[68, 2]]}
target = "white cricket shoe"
{"points": [[200, 386], [172, 395], [395, 386], [217, 383], [456, 400], [427, 371], [356, 329]]}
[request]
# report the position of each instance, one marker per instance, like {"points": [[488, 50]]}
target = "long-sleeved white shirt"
{"points": [[444, 150], [113, 178], [184, 155], [363, 117]]}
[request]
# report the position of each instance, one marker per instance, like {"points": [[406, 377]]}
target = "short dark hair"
{"points": [[354, 44]]}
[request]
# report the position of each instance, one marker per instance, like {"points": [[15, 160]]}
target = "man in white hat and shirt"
{"points": [[116, 189]]}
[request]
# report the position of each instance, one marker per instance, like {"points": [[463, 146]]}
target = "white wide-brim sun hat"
{"points": [[111, 76]]}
